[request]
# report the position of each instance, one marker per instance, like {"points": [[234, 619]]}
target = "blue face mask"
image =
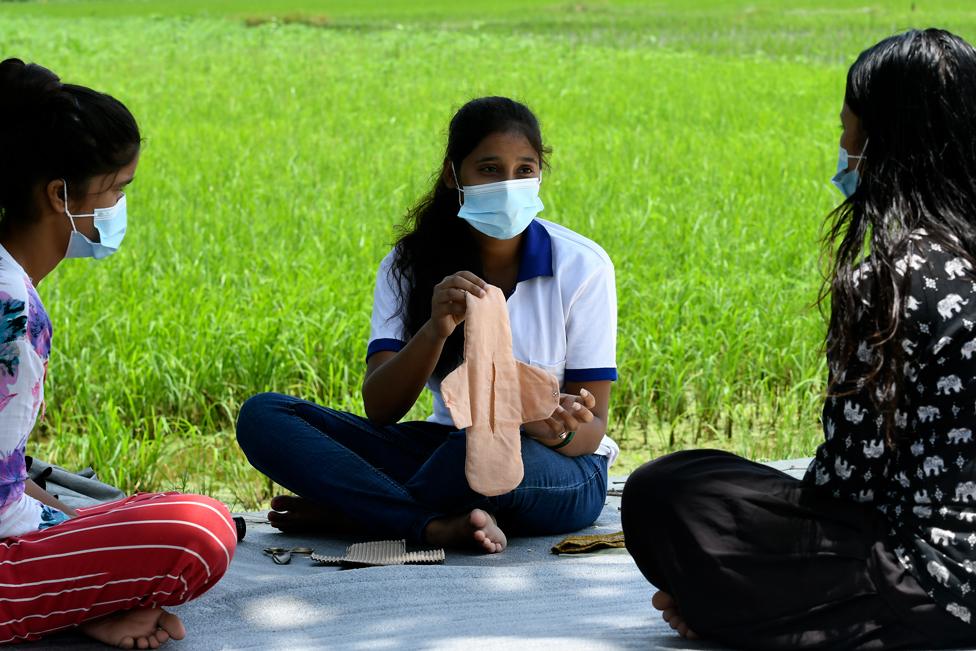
{"points": [[110, 224], [846, 180], [501, 210]]}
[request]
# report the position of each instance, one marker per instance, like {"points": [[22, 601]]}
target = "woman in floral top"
{"points": [[66, 153], [876, 547]]}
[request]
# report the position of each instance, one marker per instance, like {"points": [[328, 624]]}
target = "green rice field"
{"points": [[284, 141]]}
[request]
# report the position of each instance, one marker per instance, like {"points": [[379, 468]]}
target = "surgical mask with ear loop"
{"points": [[501, 210], [846, 180], [110, 224]]}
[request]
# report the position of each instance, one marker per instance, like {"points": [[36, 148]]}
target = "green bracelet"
{"points": [[565, 441]]}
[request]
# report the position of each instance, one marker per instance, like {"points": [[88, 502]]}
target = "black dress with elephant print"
{"points": [[926, 484]]}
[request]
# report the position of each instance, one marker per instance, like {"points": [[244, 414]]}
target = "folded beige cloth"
{"points": [[491, 394], [591, 543]]}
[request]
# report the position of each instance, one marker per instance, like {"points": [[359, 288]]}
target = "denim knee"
{"points": [[254, 421]]}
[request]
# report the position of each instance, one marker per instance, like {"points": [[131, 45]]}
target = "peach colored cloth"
{"points": [[491, 394]]}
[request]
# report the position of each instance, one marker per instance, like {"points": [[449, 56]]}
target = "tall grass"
{"points": [[695, 144]]}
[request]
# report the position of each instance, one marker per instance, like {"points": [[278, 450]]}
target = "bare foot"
{"points": [[143, 628], [291, 514], [669, 611], [477, 529]]}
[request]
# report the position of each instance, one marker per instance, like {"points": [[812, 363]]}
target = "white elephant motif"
{"points": [[864, 352], [873, 449], [902, 479], [909, 260], [942, 343], [843, 469], [823, 476], [928, 414], [942, 536], [959, 611], [911, 305], [960, 435], [901, 419], [933, 466], [966, 492], [951, 304], [968, 349], [922, 497], [908, 346], [854, 413], [948, 384], [967, 516], [829, 429], [910, 373], [969, 566], [957, 267], [939, 571], [922, 511], [865, 496], [918, 448]]}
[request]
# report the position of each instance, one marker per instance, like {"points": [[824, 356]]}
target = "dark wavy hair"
{"points": [[434, 242], [915, 95], [50, 130]]}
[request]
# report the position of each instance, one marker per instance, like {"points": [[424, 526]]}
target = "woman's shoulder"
{"points": [[15, 289], [574, 251], [932, 256]]}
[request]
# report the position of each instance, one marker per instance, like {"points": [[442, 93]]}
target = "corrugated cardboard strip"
{"points": [[381, 552]]}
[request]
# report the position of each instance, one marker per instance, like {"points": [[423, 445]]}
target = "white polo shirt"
{"points": [[563, 313]]}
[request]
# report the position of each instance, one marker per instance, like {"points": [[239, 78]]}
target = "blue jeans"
{"points": [[397, 478]]}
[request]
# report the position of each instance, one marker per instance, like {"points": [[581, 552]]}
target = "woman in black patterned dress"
{"points": [[876, 546]]}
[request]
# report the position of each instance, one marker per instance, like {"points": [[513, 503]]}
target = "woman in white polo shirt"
{"points": [[407, 480]]}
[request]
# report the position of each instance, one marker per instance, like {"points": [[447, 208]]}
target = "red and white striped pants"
{"points": [[152, 549]]}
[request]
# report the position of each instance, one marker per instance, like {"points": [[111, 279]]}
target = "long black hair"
{"points": [[434, 242], [915, 95], [50, 130]]}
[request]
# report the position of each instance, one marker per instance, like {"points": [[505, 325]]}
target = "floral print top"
{"points": [[25, 345], [926, 484]]}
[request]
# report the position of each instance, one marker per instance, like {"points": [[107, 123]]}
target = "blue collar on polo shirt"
{"points": [[536, 258]]}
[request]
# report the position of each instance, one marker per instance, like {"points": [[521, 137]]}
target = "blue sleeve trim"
{"points": [[590, 374], [380, 345]]}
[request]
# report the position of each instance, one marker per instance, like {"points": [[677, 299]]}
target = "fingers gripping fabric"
{"points": [[491, 394]]}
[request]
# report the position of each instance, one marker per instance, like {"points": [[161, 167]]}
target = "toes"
{"points": [[161, 636], [153, 642], [284, 502], [280, 521], [142, 643], [127, 643], [171, 625], [478, 519], [662, 600]]}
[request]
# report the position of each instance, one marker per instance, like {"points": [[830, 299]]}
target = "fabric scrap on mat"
{"points": [[591, 543]]}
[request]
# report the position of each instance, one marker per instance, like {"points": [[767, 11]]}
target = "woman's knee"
{"points": [[255, 420], [203, 526], [657, 489]]}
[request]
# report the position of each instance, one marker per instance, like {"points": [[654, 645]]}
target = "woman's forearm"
{"points": [[586, 439], [391, 389], [44, 497]]}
